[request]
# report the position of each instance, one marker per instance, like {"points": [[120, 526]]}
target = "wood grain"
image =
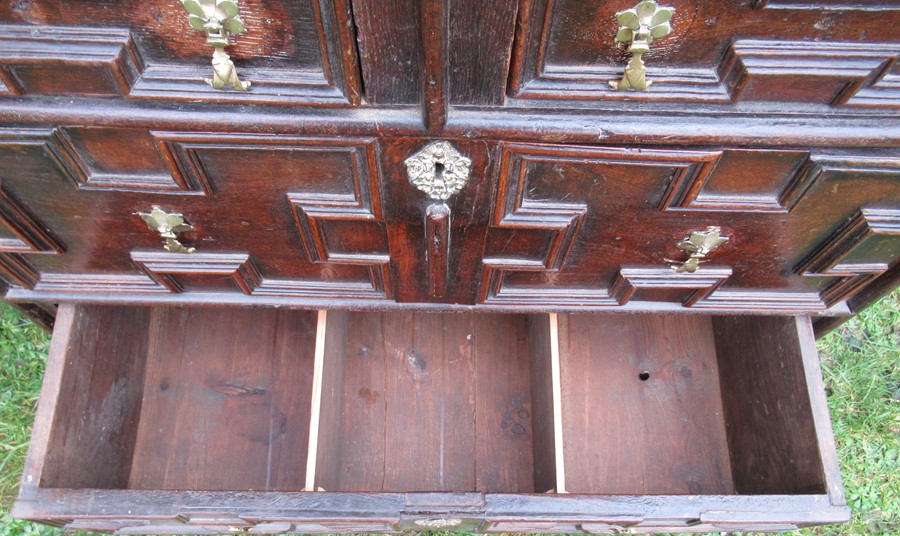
{"points": [[92, 442], [624, 434], [771, 432], [226, 400], [461, 381]]}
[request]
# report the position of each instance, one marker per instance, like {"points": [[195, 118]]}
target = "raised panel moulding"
{"points": [[809, 71], [162, 267], [65, 60], [834, 256]]}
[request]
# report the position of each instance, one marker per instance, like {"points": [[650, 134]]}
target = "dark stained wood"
{"points": [[292, 52], [642, 410], [434, 63], [437, 243], [773, 119], [92, 442], [390, 50], [771, 432], [480, 43], [226, 401], [716, 53]]}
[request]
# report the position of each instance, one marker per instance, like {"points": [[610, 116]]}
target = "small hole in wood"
{"points": [[644, 376]]}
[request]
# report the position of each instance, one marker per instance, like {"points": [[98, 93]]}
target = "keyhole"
{"points": [[438, 170]]}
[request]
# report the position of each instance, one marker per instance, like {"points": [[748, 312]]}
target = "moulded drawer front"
{"points": [[600, 227], [769, 52], [291, 53], [196, 420]]}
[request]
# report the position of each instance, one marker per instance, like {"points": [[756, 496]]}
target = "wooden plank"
{"points": [[556, 383], [429, 392], [630, 433], [48, 403], [227, 399], [437, 244], [436, 402], [316, 400], [504, 412], [542, 406], [390, 50], [435, 29], [771, 431], [480, 46], [361, 449], [92, 438], [819, 406], [328, 429]]}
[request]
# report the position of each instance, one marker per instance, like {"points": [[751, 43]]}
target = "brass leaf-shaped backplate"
{"points": [[169, 225], [638, 27], [698, 244]]}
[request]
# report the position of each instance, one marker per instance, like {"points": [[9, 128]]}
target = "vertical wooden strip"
{"points": [[328, 460], [316, 404], [557, 404], [347, 55], [480, 45], [434, 42], [437, 247], [49, 401], [542, 409], [819, 406]]}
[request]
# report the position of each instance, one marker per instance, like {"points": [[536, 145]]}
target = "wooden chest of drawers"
{"points": [[468, 193]]}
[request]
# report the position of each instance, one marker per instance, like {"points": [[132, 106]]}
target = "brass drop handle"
{"points": [[699, 244], [169, 225], [219, 20], [639, 26]]}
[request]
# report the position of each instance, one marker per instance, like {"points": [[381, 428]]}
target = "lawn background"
{"points": [[859, 362]]}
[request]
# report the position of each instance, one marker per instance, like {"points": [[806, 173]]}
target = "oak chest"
{"points": [[513, 266]]}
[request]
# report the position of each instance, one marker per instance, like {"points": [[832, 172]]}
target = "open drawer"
{"points": [[192, 420]]}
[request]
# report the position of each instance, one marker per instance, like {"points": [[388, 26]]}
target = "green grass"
{"points": [[859, 360]]}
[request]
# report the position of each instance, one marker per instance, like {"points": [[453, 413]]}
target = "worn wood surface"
{"points": [[641, 406], [775, 120], [92, 442], [771, 432], [328, 423], [225, 407], [460, 382]]}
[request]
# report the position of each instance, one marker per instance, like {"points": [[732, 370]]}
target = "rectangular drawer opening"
{"points": [[724, 416], [183, 399], [435, 402], [686, 405]]}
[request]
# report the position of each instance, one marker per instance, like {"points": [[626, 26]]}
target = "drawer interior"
{"points": [[183, 399], [686, 405], [279, 400], [433, 402]]}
